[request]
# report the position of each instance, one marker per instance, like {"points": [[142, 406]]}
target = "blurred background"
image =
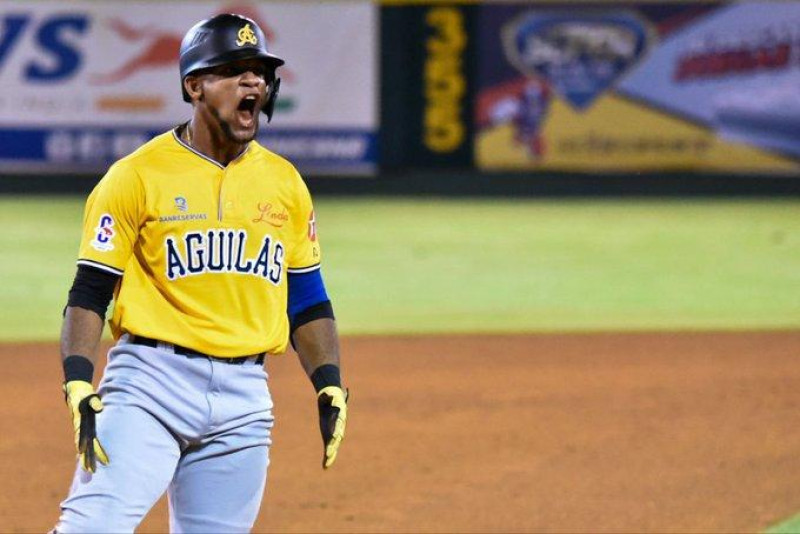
{"points": [[477, 166], [433, 91]]}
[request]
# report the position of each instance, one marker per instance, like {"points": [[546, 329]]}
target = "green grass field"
{"points": [[790, 526], [432, 265]]}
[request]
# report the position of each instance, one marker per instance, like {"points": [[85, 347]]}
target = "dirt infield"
{"points": [[546, 433]]}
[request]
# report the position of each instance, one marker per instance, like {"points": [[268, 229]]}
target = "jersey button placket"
{"points": [[227, 200], [223, 205]]}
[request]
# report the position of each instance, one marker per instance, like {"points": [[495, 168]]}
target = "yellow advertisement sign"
{"points": [[638, 88], [617, 135]]}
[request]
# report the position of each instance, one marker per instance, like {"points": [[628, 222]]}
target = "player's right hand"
{"points": [[84, 404]]}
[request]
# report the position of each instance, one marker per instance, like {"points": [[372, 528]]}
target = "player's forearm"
{"points": [[80, 333], [317, 344]]}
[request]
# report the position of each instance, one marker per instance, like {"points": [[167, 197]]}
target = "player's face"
{"points": [[234, 94]]}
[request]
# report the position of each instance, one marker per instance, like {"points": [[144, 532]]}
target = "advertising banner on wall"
{"points": [[626, 87], [85, 83], [427, 75]]}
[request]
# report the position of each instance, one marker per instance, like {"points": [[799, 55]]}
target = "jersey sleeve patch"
{"points": [[304, 252], [312, 227], [101, 266], [104, 234]]}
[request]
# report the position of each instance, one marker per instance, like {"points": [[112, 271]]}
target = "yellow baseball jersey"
{"points": [[203, 250]]}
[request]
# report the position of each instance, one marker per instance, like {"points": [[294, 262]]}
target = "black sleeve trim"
{"points": [[92, 289], [312, 313], [101, 266]]}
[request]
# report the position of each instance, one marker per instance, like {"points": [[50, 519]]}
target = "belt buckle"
{"points": [[235, 360]]}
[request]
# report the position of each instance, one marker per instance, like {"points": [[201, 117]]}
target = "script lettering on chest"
{"points": [[223, 251]]}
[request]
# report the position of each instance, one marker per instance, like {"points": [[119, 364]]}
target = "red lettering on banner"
{"points": [[743, 59]]}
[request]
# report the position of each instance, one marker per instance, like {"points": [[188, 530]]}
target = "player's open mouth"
{"points": [[247, 109]]}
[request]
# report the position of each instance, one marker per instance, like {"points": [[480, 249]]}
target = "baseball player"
{"points": [[208, 244]]}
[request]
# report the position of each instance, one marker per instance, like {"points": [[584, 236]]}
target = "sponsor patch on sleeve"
{"points": [[312, 227], [104, 234]]}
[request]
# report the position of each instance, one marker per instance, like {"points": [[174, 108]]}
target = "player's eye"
{"points": [[258, 70], [229, 71]]}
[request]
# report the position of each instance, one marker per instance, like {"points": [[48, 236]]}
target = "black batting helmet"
{"points": [[224, 39]]}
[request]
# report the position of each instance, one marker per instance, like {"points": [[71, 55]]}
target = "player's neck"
{"points": [[212, 143]]}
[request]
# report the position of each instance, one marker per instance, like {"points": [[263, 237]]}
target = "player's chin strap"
{"points": [[269, 107]]}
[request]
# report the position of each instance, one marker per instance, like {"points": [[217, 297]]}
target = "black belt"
{"points": [[149, 342]]}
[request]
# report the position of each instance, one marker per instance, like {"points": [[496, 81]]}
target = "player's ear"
{"points": [[194, 87]]}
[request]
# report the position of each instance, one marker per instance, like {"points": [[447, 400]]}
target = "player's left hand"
{"points": [[84, 404], [332, 404]]}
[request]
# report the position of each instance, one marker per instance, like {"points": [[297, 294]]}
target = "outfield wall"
{"points": [[606, 87], [493, 97]]}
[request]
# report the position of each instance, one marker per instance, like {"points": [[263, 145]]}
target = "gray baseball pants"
{"points": [[196, 428]]}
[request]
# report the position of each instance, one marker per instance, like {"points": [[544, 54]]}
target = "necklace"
{"points": [[188, 134]]}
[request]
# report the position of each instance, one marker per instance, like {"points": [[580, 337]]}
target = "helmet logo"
{"points": [[246, 36]]}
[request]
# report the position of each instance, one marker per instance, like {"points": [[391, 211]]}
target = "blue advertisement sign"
{"points": [[85, 83]]}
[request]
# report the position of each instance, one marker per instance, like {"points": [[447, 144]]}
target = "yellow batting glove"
{"points": [[84, 404], [332, 404]]}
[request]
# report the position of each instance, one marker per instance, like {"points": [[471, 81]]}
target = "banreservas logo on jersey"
{"points": [[222, 250], [182, 205]]}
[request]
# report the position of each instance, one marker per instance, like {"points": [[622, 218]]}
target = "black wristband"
{"points": [[78, 367], [326, 375]]}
